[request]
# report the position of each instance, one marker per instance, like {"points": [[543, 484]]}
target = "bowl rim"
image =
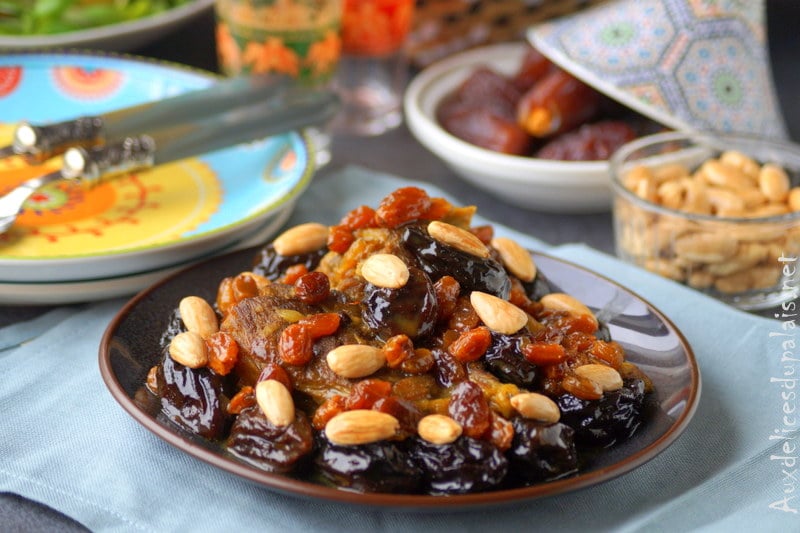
{"points": [[711, 140], [452, 148]]}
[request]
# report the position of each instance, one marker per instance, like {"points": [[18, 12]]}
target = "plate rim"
{"points": [[120, 30], [298, 138], [304, 489]]}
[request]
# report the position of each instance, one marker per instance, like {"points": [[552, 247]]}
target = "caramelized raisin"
{"points": [[447, 290], [401, 206], [327, 410], [397, 349], [295, 345], [242, 400], [312, 288], [469, 407], [420, 363], [471, 345], [366, 392], [277, 373], [223, 352]]}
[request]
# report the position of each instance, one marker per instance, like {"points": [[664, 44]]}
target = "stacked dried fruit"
{"points": [[540, 111], [403, 351]]}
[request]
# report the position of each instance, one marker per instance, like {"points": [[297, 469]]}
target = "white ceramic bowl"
{"points": [[539, 184]]}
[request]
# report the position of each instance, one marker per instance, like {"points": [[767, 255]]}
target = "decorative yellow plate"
{"points": [[142, 220]]}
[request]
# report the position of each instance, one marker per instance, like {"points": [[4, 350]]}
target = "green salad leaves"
{"points": [[43, 17]]}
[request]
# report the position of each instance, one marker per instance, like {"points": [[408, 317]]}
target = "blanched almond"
{"points": [[355, 360], [198, 316], [569, 304], [301, 239], [605, 376], [536, 406], [275, 401], [458, 238], [189, 349], [385, 270], [515, 258], [499, 315], [439, 429], [361, 426]]}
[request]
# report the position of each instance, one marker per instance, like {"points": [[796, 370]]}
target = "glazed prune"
{"points": [[382, 466], [411, 310], [542, 452], [438, 260], [505, 360], [192, 398], [272, 448], [611, 419], [464, 466], [272, 265]]}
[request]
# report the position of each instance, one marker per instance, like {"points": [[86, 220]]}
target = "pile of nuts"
{"points": [[727, 250]]}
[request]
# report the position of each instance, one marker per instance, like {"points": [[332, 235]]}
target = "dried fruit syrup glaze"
{"points": [[402, 350]]}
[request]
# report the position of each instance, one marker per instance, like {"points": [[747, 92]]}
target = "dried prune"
{"points": [[267, 446], [272, 265], [613, 418], [192, 398], [464, 466], [438, 260], [382, 466], [542, 452], [506, 361], [590, 142], [540, 286], [411, 310]]}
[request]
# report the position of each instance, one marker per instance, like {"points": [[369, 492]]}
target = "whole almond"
{"points": [[275, 401], [385, 270], [301, 239], [189, 349], [515, 258], [571, 305], [458, 238], [355, 360], [361, 426], [439, 429], [536, 406], [605, 376], [499, 315], [198, 316]]}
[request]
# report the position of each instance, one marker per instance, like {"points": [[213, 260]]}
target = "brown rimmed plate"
{"points": [[130, 347]]}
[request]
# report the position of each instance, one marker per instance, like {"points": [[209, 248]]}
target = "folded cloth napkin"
{"points": [[66, 443]]}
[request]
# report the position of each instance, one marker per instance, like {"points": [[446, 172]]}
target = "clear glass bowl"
{"points": [[718, 213]]}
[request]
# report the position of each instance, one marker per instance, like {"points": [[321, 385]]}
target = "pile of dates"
{"points": [[540, 111], [402, 350]]}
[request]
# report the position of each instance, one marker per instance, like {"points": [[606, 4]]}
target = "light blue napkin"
{"points": [[66, 443]]}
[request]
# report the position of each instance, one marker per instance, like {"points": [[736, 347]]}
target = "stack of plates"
{"points": [[71, 245]]}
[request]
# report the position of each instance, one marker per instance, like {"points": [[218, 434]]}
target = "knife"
{"points": [[292, 110], [39, 142]]}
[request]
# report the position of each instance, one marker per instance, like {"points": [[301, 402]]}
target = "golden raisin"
{"points": [[401, 206], [471, 344], [544, 353], [581, 387], [223, 352], [397, 349], [366, 392], [327, 410], [293, 273], [501, 432], [438, 210], [464, 316], [295, 345], [610, 352], [484, 233], [321, 324], [241, 400], [339, 239], [420, 363], [359, 218]]}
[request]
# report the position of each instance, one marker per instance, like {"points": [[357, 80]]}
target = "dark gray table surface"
{"points": [[398, 153]]}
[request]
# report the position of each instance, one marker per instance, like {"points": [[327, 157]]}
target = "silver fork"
{"points": [[292, 111]]}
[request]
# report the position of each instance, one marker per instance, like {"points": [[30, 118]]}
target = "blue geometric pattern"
{"points": [[689, 64]]}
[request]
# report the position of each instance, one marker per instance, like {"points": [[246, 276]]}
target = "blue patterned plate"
{"points": [[143, 220]]}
